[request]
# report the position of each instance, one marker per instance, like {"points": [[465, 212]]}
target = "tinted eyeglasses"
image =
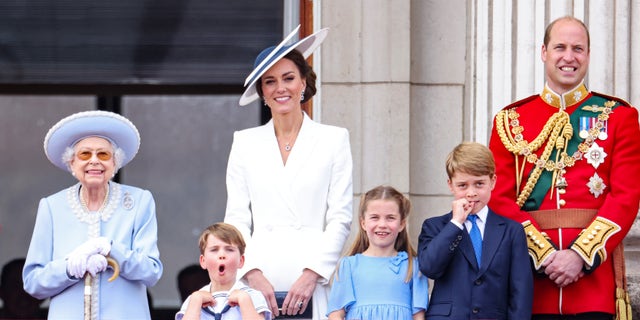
{"points": [[101, 155]]}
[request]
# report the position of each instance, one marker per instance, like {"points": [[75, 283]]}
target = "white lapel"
{"points": [[268, 144]]}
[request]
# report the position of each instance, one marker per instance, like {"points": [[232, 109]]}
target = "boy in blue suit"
{"points": [[478, 259]]}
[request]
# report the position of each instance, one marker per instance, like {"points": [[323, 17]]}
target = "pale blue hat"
{"points": [[111, 126], [269, 56]]}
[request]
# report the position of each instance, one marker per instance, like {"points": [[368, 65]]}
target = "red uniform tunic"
{"points": [[604, 177]]}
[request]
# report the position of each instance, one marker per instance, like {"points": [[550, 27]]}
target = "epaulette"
{"points": [[608, 97], [521, 102]]}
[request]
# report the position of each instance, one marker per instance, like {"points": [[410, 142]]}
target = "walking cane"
{"points": [[87, 286]]}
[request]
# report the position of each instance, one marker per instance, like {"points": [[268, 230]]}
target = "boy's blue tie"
{"points": [[476, 237]]}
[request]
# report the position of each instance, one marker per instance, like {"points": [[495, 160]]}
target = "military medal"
{"points": [[596, 185], [595, 155], [585, 125], [602, 135], [602, 126]]}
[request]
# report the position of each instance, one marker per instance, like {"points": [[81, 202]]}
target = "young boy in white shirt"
{"points": [[222, 254]]}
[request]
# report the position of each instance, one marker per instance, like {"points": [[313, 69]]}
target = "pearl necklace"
{"points": [[84, 204], [83, 214]]}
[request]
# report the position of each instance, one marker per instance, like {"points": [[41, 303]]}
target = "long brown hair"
{"points": [[403, 242]]}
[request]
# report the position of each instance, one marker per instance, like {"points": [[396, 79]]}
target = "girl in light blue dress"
{"points": [[380, 278]]}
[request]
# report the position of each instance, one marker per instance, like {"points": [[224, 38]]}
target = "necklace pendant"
{"points": [[287, 147]]}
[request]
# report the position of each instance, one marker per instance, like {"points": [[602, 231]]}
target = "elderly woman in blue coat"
{"points": [[79, 228]]}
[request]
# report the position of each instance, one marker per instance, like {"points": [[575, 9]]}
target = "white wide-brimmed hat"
{"points": [[111, 126], [269, 56]]}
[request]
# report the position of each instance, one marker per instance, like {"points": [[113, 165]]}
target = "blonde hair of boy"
{"points": [[471, 158], [224, 232]]}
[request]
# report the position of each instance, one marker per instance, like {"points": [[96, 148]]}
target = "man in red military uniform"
{"points": [[568, 161]]}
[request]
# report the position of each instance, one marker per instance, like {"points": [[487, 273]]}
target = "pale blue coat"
{"points": [[132, 227]]}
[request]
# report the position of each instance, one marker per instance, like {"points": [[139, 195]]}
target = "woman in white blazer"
{"points": [[289, 185]]}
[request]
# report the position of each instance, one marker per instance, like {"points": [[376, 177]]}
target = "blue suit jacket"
{"points": [[501, 288]]}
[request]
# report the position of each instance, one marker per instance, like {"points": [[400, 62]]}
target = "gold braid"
{"points": [[519, 147], [556, 132], [544, 158]]}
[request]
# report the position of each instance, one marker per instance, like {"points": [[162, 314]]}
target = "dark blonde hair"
{"points": [[224, 232], [403, 242], [472, 158]]}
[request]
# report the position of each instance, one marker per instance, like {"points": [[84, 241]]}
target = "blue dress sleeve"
{"points": [[342, 294], [419, 289]]}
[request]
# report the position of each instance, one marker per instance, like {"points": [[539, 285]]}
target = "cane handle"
{"points": [[116, 268]]}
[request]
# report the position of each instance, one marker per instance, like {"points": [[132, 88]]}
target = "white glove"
{"points": [[76, 265], [102, 245], [77, 259], [96, 263], [92, 246]]}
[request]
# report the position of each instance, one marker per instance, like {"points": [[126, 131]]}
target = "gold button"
{"points": [[562, 202], [562, 191], [585, 241]]}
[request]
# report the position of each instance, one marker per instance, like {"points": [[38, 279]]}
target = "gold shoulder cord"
{"points": [[556, 132]]}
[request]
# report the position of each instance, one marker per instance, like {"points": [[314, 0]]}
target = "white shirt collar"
{"points": [[481, 221], [482, 214]]}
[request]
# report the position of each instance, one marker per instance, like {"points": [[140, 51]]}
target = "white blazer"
{"points": [[300, 213]]}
